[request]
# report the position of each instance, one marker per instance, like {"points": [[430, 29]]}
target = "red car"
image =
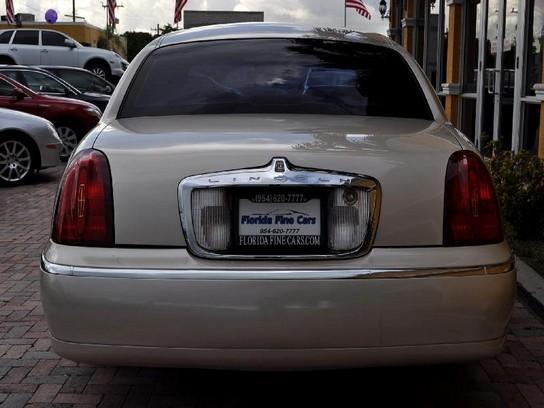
{"points": [[72, 118]]}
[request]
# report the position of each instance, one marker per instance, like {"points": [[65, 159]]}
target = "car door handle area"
{"points": [[44, 50], [13, 49]]}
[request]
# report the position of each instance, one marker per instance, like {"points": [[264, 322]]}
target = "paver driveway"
{"points": [[30, 374]]}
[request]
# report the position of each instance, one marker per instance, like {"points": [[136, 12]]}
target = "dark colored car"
{"points": [[45, 83], [72, 118], [81, 79]]}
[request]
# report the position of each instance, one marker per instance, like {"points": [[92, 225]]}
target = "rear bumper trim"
{"points": [[268, 274], [276, 359]]}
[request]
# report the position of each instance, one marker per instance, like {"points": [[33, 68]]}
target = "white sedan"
{"points": [[268, 196], [27, 143]]}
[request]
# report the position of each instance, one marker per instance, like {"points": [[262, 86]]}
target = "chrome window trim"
{"points": [[275, 274], [279, 172]]}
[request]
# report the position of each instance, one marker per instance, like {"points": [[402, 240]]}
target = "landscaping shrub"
{"points": [[519, 182]]}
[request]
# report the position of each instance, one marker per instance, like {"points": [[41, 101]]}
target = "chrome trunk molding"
{"points": [[275, 274], [278, 173]]}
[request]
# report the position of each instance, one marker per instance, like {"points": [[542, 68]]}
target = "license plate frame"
{"points": [[308, 193]]}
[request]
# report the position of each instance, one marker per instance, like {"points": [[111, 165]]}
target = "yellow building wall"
{"points": [[81, 32]]}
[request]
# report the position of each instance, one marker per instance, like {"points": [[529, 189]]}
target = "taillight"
{"points": [[471, 210], [84, 212]]}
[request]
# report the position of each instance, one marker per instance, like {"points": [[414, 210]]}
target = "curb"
{"points": [[530, 287]]}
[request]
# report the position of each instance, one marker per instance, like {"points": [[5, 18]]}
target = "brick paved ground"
{"points": [[32, 375]]}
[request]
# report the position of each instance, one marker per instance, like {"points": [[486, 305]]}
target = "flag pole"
{"points": [[345, 14]]}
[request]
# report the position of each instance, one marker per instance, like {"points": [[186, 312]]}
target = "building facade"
{"points": [[85, 33], [485, 59], [199, 18]]}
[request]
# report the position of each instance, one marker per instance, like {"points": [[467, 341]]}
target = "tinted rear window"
{"points": [[275, 76], [5, 37], [26, 37]]}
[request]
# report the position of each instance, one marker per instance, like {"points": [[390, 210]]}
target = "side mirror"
{"points": [[70, 43], [18, 94]]}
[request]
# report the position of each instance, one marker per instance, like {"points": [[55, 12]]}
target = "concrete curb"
{"points": [[531, 286]]}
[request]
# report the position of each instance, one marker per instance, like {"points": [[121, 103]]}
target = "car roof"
{"points": [[43, 71], [32, 68], [47, 67], [271, 30]]}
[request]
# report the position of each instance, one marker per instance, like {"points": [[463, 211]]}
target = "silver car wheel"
{"points": [[69, 140], [15, 161], [99, 71]]}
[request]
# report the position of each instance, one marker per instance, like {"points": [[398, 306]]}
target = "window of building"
{"points": [[444, 57], [468, 120], [531, 126], [435, 51], [472, 41], [535, 44]]}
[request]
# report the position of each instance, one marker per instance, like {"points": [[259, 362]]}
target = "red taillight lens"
{"points": [[84, 212], [471, 211]]}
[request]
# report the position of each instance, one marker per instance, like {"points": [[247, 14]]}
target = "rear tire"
{"points": [[70, 137], [17, 161], [100, 69], [6, 61]]}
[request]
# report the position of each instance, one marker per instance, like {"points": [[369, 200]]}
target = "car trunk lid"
{"points": [[150, 156]]}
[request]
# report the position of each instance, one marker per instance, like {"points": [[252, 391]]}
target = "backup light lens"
{"points": [[84, 212], [349, 213], [211, 212], [471, 210]]}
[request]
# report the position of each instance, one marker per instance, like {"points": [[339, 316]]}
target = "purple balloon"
{"points": [[51, 16]]}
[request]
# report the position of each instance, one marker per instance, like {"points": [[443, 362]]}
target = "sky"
{"points": [[142, 15]]}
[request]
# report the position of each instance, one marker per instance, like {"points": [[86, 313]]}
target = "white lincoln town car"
{"points": [[268, 196]]}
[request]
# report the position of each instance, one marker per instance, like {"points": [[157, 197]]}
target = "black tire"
{"points": [[6, 61], [17, 161], [99, 68]]}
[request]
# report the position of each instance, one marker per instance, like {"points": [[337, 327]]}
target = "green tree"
{"points": [[168, 28], [136, 40]]}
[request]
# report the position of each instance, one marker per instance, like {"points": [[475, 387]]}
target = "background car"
{"points": [[81, 79], [71, 118], [47, 47], [45, 83], [27, 143]]}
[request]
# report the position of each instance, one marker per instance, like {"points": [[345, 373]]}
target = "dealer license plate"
{"points": [[279, 220]]}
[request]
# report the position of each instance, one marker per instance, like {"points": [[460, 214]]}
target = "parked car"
{"points": [[309, 206], [45, 83], [48, 47], [81, 79], [27, 143], [72, 118]]}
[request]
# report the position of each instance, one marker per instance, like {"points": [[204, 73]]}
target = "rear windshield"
{"points": [[275, 76]]}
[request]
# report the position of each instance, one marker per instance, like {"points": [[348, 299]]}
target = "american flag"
{"points": [[112, 5], [359, 6], [10, 14], [179, 7]]}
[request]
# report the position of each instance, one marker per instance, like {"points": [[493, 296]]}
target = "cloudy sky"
{"points": [[142, 15]]}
